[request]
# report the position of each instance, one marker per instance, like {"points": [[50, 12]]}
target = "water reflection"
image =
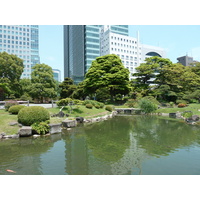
{"points": [[123, 145]]}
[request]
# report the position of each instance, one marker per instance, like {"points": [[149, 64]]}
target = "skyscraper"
{"points": [[23, 41], [82, 46]]}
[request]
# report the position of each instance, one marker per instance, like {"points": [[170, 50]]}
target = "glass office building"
{"points": [[23, 41], [82, 46]]}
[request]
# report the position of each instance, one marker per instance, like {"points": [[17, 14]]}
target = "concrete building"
{"points": [[129, 49], [57, 74], [185, 60], [23, 41], [82, 46]]}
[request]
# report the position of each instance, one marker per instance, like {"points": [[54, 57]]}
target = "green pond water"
{"points": [[126, 145]]}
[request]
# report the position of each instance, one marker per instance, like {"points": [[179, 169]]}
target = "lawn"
{"points": [[191, 107]]}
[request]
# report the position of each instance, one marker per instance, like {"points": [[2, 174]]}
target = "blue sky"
{"points": [[177, 40]]}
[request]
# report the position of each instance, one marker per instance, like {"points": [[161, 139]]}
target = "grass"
{"points": [[5, 119], [191, 107]]}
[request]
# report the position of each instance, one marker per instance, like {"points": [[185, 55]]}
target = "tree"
{"points": [[43, 83], [107, 71], [67, 88], [11, 68]]}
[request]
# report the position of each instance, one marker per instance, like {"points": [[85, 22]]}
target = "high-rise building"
{"points": [[185, 60], [82, 46], [129, 49], [23, 41], [56, 74]]}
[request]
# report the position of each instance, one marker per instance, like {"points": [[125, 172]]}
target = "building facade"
{"points": [[82, 46], [185, 60], [23, 41], [57, 75], [129, 49]]}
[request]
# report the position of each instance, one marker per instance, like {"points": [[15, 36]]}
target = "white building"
{"points": [[129, 49]]}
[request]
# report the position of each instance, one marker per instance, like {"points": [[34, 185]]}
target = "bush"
{"points": [[147, 106], [41, 127], [64, 102], [89, 106], [30, 115], [187, 114], [97, 106], [15, 109], [181, 105], [131, 103], [8, 104], [109, 108], [181, 101]]}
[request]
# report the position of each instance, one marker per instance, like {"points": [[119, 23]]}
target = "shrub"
{"points": [[41, 127], [131, 103], [147, 106], [64, 102], [97, 106], [181, 105], [8, 104], [30, 115], [187, 114], [181, 101], [15, 109], [109, 108], [89, 106], [101, 105]]}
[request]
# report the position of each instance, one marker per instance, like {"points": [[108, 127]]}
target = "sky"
{"points": [[177, 40]]}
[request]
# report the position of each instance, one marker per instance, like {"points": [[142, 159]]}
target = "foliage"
{"points": [[147, 106], [41, 127], [107, 71], [30, 115], [43, 84], [26, 97], [11, 68], [187, 114], [131, 103], [97, 106], [64, 102], [67, 88], [15, 109], [152, 99], [90, 106], [181, 105], [8, 104], [109, 108]]}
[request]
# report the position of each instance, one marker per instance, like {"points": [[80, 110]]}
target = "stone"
{"points": [[172, 115], [61, 114], [80, 119], [13, 123], [25, 131], [69, 123], [55, 128], [195, 117]]}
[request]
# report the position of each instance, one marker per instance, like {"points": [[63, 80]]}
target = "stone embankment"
{"points": [[26, 131]]}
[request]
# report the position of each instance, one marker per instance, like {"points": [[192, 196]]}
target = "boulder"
{"points": [[80, 119], [61, 114], [195, 117], [69, 123], [25, 131], [55, 128]]}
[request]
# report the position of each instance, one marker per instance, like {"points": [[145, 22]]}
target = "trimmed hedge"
{"points": [[89, 106], [109, 108], [10, 103], [15, 109], [30, 115]]}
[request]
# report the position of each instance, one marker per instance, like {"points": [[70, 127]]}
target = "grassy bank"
{"points": [[191, 107], [78, 111]]}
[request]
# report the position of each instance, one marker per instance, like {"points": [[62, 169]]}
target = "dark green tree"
{"points": [[107, 72], [11, 68], [67, 88], [43, 84]]}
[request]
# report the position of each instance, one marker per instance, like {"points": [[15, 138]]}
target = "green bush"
{"points": [[97, 106], [15, 109], [181, 101], [109, 108], [147, 106], [8, 104], [30, 115], [187, 114], [89, 106], [131, 103], [41, 127], [64, 102]]}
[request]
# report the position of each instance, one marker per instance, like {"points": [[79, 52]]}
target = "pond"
{"points": [[124, 145]]}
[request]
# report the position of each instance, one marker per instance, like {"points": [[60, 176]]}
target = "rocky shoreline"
{"points": [[26, 131]]}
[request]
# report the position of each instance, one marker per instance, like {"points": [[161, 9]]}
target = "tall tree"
{"points": [[107, 71], [11, 68], [67, 88], [43, 83]]}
